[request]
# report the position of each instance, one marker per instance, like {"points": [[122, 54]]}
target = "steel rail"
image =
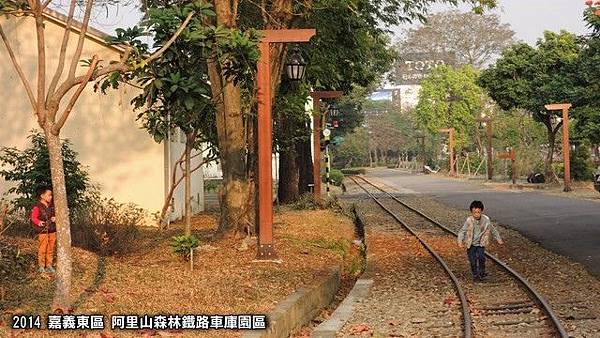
{"points": [[530, 289], [461, 294]]}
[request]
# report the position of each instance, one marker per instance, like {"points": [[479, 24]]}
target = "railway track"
{"points": [[506, 305]]}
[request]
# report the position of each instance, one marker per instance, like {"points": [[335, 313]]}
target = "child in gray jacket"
{"points": [[475, 236]]}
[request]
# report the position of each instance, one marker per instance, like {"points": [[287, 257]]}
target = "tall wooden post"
{"points": [[266, 250], [566, 146], [317, 96]]}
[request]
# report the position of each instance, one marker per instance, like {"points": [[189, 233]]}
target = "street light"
{"points": [[565, 132], [295, 66], [486, 122], [450, 132], [334, 110], [266, 250]]}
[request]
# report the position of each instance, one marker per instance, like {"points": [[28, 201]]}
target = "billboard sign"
{"points": [[413, 68]]}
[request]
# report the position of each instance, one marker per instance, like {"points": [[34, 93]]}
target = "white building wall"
{"points": [[176, 147], [122, 158]]}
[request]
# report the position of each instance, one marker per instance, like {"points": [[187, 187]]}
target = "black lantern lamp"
{"points": [[334, 111], [296, 67]]}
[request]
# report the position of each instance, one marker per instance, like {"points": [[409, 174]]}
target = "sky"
{"points": [[528, 18]]}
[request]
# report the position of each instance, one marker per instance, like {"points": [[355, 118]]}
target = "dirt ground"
{"points": [[225, 280]]}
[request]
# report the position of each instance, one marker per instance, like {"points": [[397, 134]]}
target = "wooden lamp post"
{"points": [[266, 250], [564, 107], [317, 96]]}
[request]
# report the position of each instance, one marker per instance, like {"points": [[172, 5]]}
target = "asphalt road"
{"points": [[568, 226]]}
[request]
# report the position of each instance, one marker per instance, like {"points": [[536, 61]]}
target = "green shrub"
{"points": [[212, 184], [354, 171], [335, 177], [107, 227], [14, 264], [29, 169], [582, 167], [559, 170], [182, 245]]}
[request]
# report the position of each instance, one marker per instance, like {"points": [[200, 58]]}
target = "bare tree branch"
{"points": [[18, 68], [84, 27], [68, 84], [175, 182], [63, 118], [41, 61], [63, 50], [159, 52], [64, 88], [45, 4]]}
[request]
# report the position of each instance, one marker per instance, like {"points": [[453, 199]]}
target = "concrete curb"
{"points": [[344, 311], [299, 308]]}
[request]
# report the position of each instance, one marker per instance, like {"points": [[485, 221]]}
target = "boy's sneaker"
{"points": [[41, 269], [50, 269]]}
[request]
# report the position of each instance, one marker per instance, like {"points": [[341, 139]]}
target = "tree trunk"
{"points": [[549, 172], [304, 163], [288, 190], [62, 294], [188, 183], [235, 196]]}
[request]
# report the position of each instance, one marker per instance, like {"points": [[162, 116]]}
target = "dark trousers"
{"points": [[477, 259]]}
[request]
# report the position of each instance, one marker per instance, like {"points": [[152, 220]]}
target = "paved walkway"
{"points": [[568, 226]]}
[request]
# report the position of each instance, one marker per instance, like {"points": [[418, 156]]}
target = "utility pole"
{"points": [[421, 141], [317, 96], [487, 122]]}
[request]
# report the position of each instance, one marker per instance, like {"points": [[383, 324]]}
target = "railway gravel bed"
{"points": [[572, 292], [401, 304]]}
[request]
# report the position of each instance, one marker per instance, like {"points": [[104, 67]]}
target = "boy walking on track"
{"points": [[475, 236], [43, 220]]}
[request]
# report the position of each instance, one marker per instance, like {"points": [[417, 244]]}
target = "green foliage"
{"points": [[336, 176], [587, 112], [354, 150], [29, 170], [290, 116], [211, 185], [107, 227], [530, 77], [177, 93], [15, 265], [582, 168], [450, 98], [182, 245]]}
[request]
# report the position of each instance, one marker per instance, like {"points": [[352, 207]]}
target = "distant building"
{"points": [[410, 70], [121, 157]]}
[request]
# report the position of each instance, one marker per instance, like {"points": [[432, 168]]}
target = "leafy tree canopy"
{"points": [[450, 98]]}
